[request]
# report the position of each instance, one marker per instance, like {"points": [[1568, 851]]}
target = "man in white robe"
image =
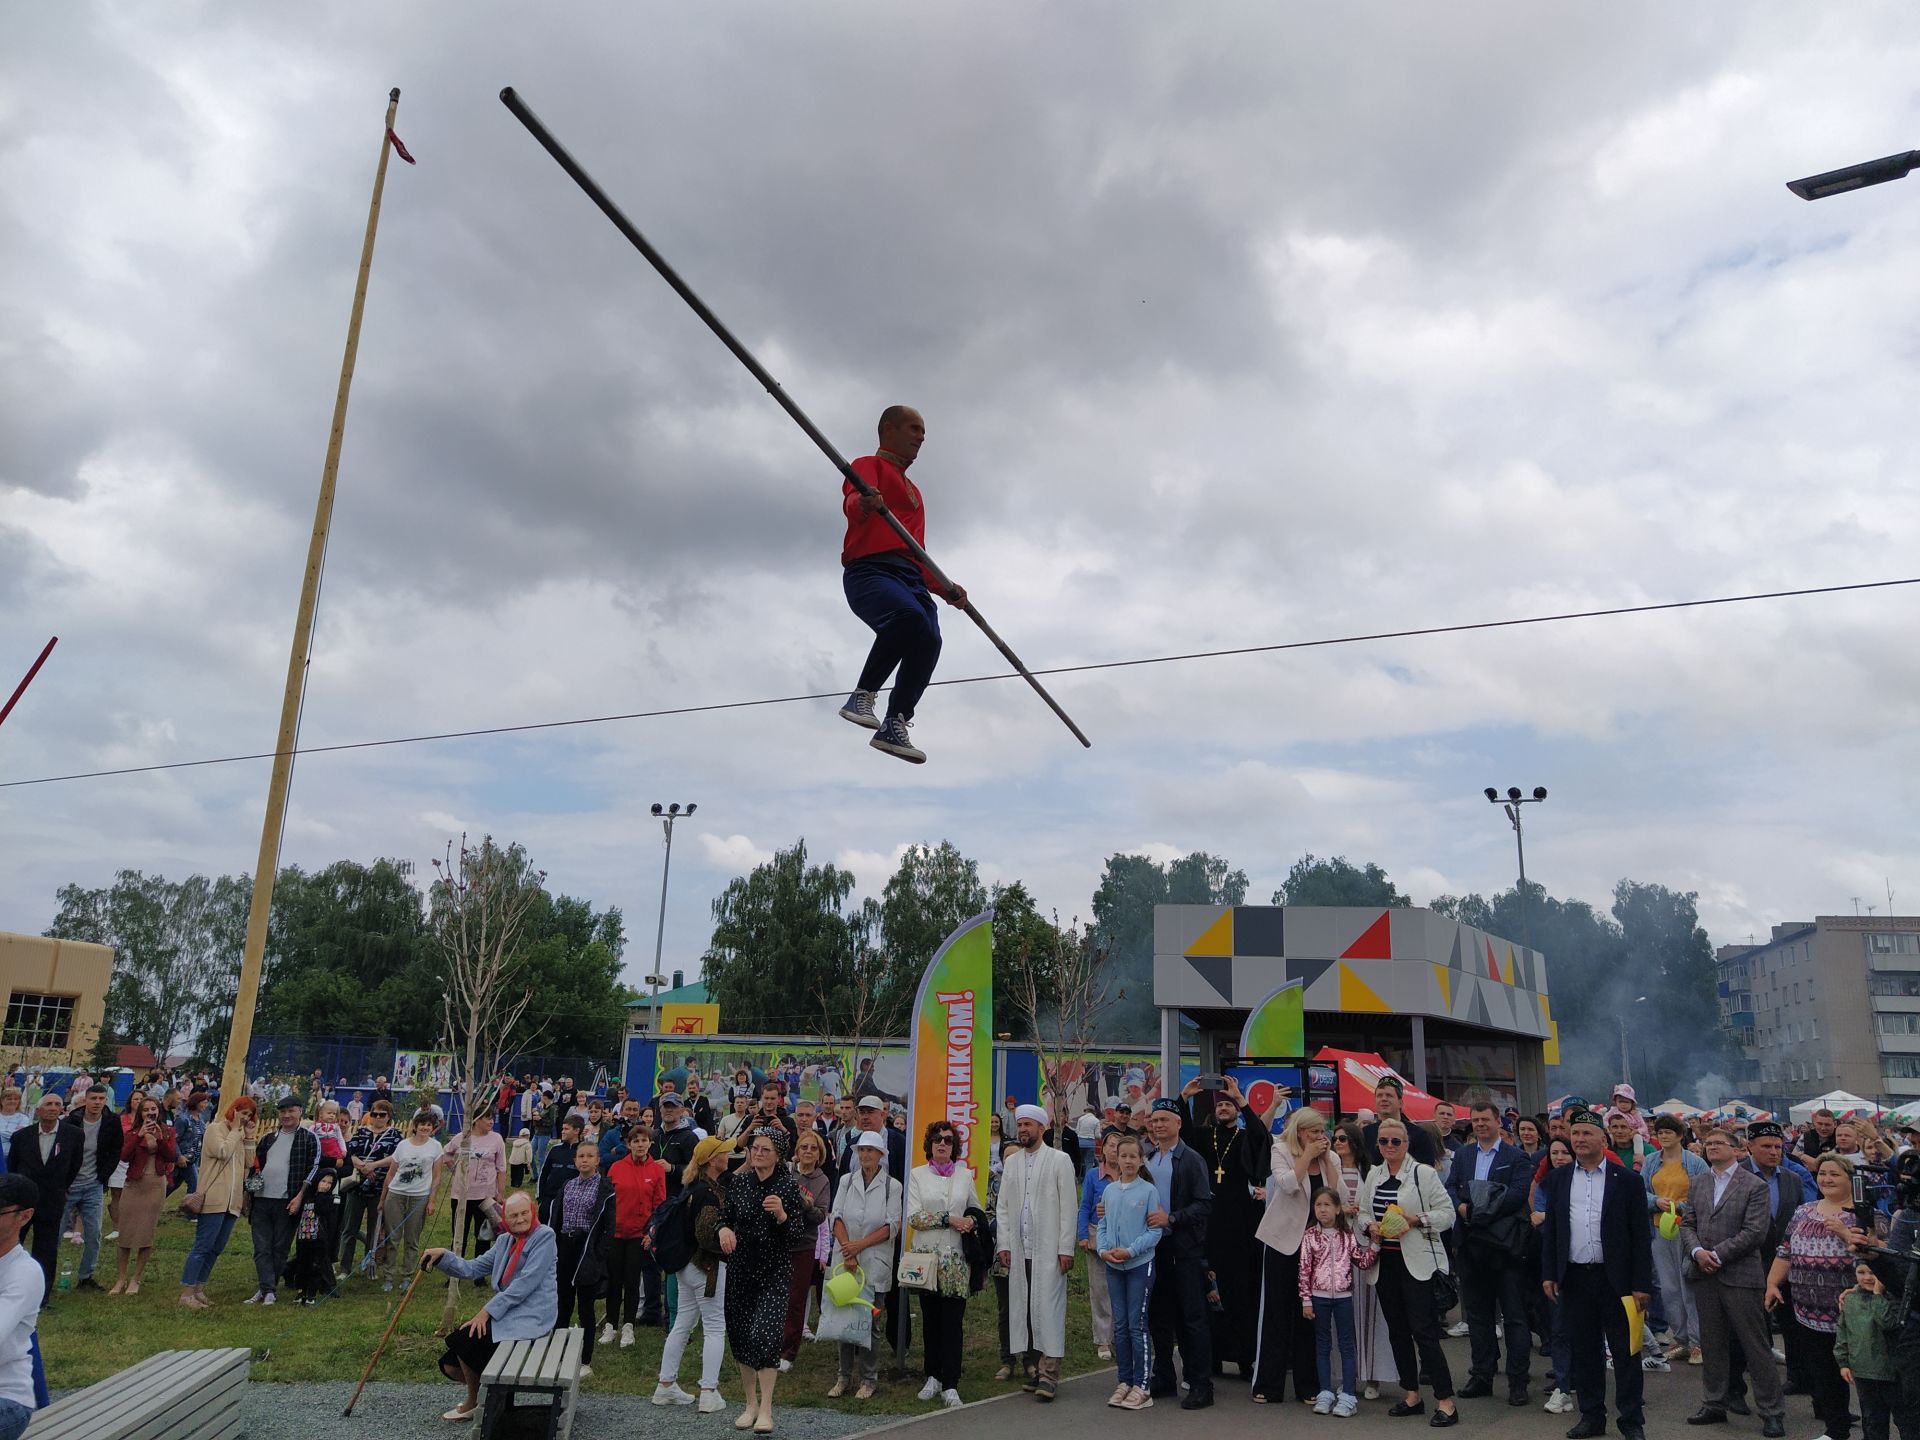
{"points": [[1036, 1216]]}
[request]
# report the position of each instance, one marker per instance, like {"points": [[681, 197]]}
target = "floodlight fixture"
{"points": [[1856, 177]]}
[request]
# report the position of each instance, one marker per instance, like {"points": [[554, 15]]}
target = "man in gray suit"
{"points": [[1721, 1231]]}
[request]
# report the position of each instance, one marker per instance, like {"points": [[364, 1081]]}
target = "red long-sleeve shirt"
{"points": [[869, 535], [639, 1187]]}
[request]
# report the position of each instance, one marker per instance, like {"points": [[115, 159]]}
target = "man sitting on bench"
{"points": [[525, 1303]]}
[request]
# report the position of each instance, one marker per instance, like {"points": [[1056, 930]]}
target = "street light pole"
{"points": [[1626, 1068], [1514, 800], [668, 814]]}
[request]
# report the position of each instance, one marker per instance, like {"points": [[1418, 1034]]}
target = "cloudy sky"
{"points": [[1231, 325]]}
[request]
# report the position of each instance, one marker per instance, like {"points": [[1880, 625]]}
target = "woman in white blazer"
{"points": [[1302, 1162], [1403, 1275], [938, 1195]]}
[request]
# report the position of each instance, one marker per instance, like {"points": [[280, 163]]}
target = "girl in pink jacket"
{"points": [[1329, 1256]]}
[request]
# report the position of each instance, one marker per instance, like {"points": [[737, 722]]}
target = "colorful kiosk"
{"points": [[1455, 1010]]}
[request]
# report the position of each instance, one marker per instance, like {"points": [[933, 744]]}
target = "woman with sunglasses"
{"points": [[1406, 1209], [368, 1146], [939, 1194]]}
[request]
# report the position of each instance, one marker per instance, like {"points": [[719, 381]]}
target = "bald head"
{"points": [[902, 432]]}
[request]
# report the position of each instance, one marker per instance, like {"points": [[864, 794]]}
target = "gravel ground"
{"points": [[298, 1412]]}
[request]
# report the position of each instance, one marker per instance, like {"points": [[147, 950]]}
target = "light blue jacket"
{"points": [[1090, 1193], [530, 1305], [1689, 1162], [1124, 1225]]}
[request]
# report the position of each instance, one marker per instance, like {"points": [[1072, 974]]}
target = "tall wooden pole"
{"points": [[233, 1078]]}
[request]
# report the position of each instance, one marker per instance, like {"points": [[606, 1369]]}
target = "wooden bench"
{"points": [[548, 1368], [174, 1395]]}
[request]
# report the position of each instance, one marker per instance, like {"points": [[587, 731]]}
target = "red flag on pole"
{"points": [[398, 148]]}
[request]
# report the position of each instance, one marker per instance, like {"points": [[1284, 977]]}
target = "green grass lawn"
{"points": [[86, 1337]]}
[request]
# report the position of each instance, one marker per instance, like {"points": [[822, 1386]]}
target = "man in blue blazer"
{"points": [[1596, 1247], [1488, 1181]]}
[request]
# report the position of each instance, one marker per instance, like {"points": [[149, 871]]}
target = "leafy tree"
{"points": [[785, 945], [1643, 974], [348, 953], [935, 891], [1313, 881], [1024, 943], [171, 943], [1673, 1035], [1123, 926], [572, 955]]}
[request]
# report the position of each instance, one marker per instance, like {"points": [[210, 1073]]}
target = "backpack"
{"points": [[670, 1233]]}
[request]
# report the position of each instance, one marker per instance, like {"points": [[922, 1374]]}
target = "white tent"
{"points": [[1838, 1101], [1676, 1107]]}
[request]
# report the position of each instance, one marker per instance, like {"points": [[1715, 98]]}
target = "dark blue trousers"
{"points": [[893, 600]]}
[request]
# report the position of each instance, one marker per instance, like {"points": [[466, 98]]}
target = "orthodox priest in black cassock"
{"points": [[1236, 1146]]}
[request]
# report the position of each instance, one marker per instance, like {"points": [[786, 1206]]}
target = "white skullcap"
{"points": [[1031, 1112]]}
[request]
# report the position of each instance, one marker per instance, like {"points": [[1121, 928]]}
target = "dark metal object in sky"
{"points": [[1855, 177], [21, 688]]}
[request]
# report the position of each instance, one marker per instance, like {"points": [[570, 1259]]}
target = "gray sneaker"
{"points": [[892, 738], [859, 709], [1323, 1403], [1345, 1406]]}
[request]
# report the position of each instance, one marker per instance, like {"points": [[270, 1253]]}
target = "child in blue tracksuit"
{"points": [[1125, 1241]]}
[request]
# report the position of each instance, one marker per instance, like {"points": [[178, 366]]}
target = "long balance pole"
{"points": [[759, 372], [233, 1077], [21, 688]]}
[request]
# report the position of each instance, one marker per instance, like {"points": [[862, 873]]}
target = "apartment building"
{"points": [[1831, 1003]]}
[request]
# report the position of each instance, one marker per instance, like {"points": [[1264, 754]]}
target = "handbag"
{"points": [[848, 1324], [1446, 1290], [196, 1203], [917, 1270]]}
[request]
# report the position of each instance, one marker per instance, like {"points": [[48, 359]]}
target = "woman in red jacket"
{"points": [[639, 1188], [150, 1155]]}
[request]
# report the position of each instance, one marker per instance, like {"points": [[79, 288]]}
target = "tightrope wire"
{"points": [[1327, 641]]}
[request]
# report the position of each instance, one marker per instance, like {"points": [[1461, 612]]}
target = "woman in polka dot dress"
{"points": [[761, 1217]]}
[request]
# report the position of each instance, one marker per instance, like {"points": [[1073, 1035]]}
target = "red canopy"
{"points": [[1360, 1071]]}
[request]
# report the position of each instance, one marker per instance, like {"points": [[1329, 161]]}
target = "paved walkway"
{"points": [[402, 1412], [1081, 1413], [296, 1412]]}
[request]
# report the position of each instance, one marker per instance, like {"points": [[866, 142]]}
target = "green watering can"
{"points": [[845, 1286]]}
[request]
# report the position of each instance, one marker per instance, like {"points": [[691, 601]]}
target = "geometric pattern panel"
{"points": [[1216, 939], [1348, 958], [1260, 930]]}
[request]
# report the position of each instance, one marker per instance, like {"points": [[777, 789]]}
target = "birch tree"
{"points": [[1061, 984], [476, 910]]}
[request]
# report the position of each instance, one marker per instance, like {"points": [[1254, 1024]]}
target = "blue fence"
{"points": [[358, 1058]]}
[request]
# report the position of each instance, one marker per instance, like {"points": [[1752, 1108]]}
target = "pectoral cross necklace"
{"points": [[1220, 1156]]}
